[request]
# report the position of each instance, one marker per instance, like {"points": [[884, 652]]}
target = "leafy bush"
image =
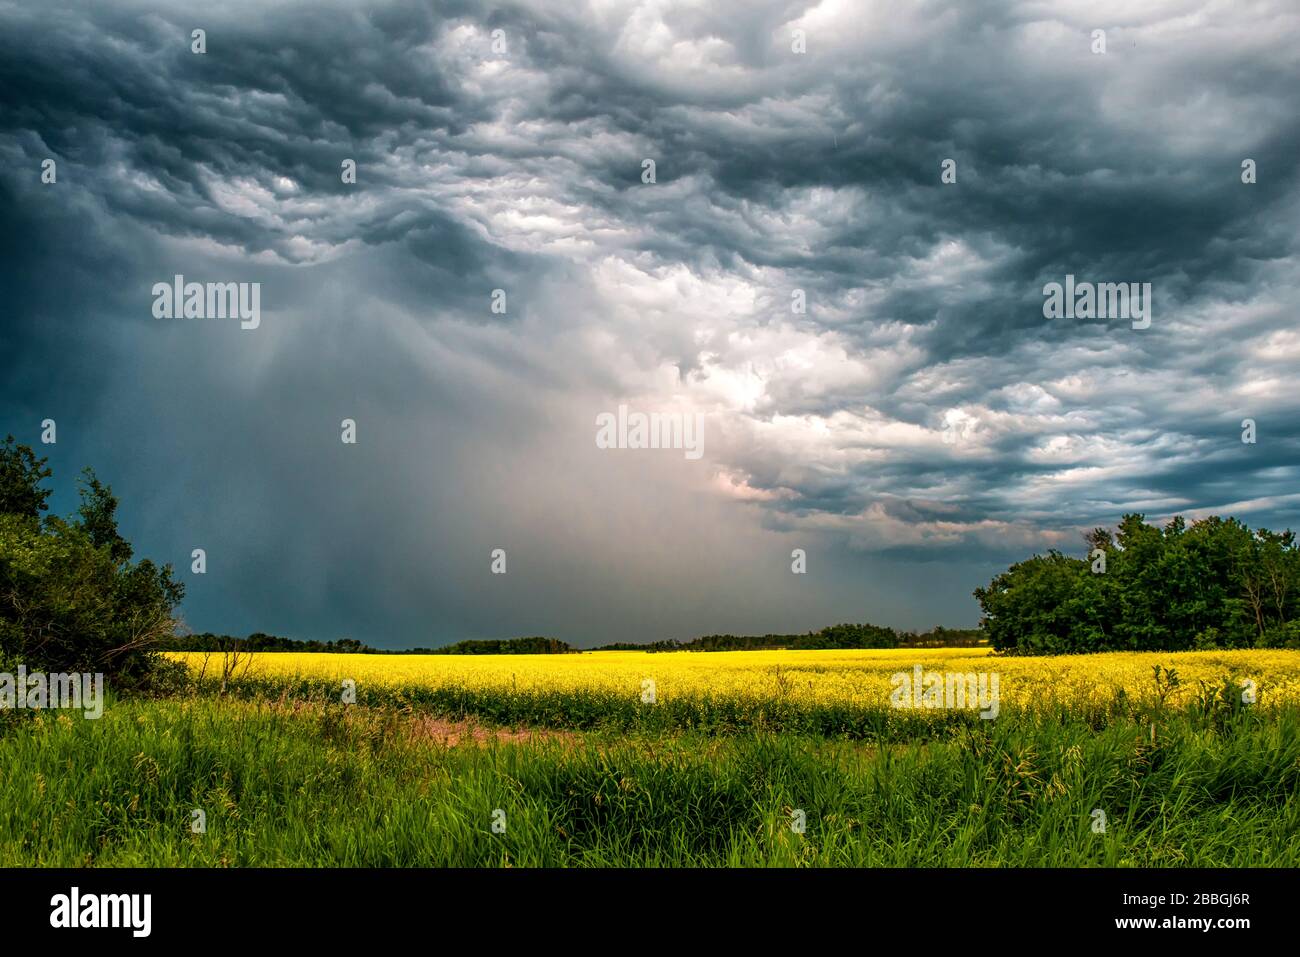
{"points": [[1281, 635]]}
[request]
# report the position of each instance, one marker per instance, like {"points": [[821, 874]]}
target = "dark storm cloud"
{"points": [[921, 412]]}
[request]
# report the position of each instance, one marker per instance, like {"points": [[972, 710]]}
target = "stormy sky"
{"points": [[916, 428]]}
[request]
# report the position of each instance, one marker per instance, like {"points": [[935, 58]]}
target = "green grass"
{"points": [[323, 784]]}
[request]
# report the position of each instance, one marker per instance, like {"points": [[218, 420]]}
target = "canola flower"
{"points": [[858, 678]]}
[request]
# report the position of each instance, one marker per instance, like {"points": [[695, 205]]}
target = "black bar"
{"points": [[332, 907]]}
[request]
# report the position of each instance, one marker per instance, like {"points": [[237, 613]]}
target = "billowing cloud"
{"points": [[866, 343]]}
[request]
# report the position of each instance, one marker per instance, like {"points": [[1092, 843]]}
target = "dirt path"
{"points": [[451, 733]]}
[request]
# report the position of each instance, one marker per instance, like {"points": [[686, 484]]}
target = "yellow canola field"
{"points": [[860, 678]]}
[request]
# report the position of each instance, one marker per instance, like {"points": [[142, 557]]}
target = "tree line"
{"points": [[259, 641], [833, 636]]}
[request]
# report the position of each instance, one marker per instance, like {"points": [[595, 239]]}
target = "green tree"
{"points": [[1026, 608], [21, 475], [1213, 583], [71, 599], [98, 512]]}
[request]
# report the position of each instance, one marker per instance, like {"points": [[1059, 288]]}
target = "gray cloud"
{"points": [[920, 425]]}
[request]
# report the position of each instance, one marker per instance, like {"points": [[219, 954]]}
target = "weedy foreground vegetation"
{"points": [[714, 772]]}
